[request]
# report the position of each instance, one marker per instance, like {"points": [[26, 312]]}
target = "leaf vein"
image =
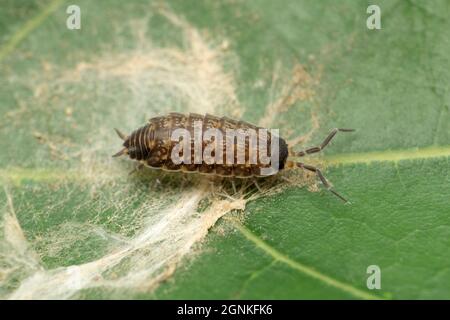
{"points": [[278, 256], [27, 28], [388, 156]]}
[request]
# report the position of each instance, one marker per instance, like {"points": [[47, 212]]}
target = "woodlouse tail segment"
{"points": [[124, 138], [121, 152], [322, 145], [120, 134]]}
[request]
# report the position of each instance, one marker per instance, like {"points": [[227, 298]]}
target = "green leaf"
{"points": [[75, 225]]}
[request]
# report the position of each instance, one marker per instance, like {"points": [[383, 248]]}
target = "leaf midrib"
{"points": [[18, 174], [388, 155]]}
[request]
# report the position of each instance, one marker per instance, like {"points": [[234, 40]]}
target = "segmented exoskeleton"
{"points": [[152, 146]]}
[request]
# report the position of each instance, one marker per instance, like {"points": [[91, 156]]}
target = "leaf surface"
{"points": [[75, 225]]}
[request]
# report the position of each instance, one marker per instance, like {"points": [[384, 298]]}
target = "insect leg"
{"points": [[233, 185], [322, 179], [136, 169], [256, 185], [323, 144]]}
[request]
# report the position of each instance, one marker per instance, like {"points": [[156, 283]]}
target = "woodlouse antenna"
{"points": [[316, 149], [120, 134], [324, 181], [322, 145]]}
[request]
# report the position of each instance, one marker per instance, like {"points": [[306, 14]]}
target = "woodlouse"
{"points": [[152, 145]]}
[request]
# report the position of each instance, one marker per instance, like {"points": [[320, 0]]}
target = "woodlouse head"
{"points": [[283, 153]]}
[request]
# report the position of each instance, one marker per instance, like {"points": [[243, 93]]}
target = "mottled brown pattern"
{"points": [[151, 145]]}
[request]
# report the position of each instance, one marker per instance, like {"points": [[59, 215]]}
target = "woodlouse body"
{"points": [[152, 146]]}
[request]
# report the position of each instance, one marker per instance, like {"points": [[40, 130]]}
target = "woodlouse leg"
{"points": [[323, 144], [233, 185], [257, 185], [224, 192], [136, 169], [246, 186], [322, 178]]}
